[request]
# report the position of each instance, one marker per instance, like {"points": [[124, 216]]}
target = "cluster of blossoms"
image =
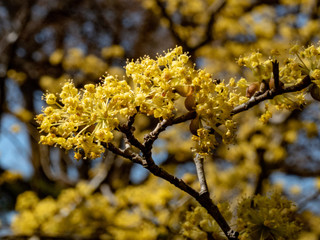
{"points": [[261, 69], [83, 120], [215, 101], [303, 62], [75, 211], [310, 61], [267, 217], [86, 213]]}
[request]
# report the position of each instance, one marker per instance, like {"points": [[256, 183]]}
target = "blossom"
{"points": [[86, 119], [267, 217]]}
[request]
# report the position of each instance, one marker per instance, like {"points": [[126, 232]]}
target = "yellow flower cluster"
{"points": [[80, 212], [267, 115], [159, 83], [261, 69], [9, 177], [310, 61], [267, 217], [112, 51], [156, 81], [303, 62], [215, 101], [82, 120], [146, 218], [73, 212], [253, 135], [19, 77]]}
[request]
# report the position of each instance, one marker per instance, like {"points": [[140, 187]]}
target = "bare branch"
{"points": [[269, 94], [203, 196], [151, 137], [264, 172]]}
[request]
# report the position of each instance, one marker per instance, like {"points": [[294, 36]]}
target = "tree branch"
{"points": [[184, 117], [123, 153], [204, 199], [128, 130], [198, 160], [147, 162], [269, 94]]}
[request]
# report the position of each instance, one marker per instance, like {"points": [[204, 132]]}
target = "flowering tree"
{"points": [[224, 125], [88, 120]]}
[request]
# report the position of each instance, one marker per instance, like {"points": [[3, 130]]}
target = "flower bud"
{"points": [[190, 103], [271, 84], [315, 92], [264, 86], [51, 99], [183, 90], [194, 125], [253, 87]]}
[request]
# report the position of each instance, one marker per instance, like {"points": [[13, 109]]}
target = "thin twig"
{"points": [[264, 172], [146, 161], [128, 130], [270, 94], [124, 153], [152, 136]]}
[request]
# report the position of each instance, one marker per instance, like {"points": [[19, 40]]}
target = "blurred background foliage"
{"points": [[43, 43]]}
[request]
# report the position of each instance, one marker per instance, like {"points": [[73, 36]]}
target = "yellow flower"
{"points": [[25, 223], [315, 74], [51, 99], [87, 118]]}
